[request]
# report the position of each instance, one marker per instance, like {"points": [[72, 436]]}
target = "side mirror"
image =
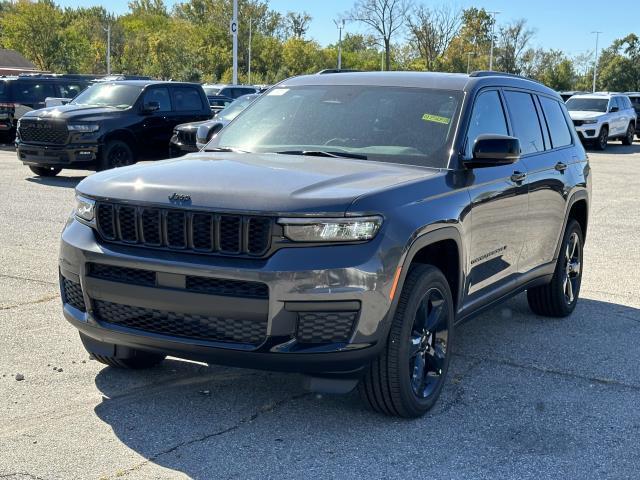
{"points": [[614, 109], [151, 107], [493, 150]]}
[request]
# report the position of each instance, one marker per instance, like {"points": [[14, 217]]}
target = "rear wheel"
{"points": [[407, 378], [45, 171], [628, 138], [603, 138], [559, 297], [115, 153]]}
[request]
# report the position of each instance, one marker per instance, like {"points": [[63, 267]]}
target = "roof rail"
{"points": [[492, 73], [336, 70]]}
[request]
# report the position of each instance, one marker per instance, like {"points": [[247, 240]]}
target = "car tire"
{"points": [[408, 376], [559, 297], [115, 153], [603, 138], [45, 171], [628, 138]]}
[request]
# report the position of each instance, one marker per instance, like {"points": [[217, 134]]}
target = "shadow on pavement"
{"points": [[57, 181], [616, 147], [210, 421]]}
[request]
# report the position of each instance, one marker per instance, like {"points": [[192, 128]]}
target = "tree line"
{"points": [[191, 41]]}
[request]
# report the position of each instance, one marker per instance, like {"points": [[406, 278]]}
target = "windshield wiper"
{"points": [[324, 153], [225, 149]]}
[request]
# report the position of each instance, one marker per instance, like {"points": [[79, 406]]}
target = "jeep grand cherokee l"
{"points": [[111, 124], [600, 117], [341, 227]]}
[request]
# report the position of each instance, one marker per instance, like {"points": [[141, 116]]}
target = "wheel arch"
{"points": [[577, 208], [442, 248], [124, 136]]}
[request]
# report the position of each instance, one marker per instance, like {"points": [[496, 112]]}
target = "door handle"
{"points": [[518, 177], [561, 167]]}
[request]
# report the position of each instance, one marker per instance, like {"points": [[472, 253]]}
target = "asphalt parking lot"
{"points": [[527, 397]]}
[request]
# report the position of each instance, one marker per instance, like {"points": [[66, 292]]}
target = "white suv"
{"points": [[599, 117]]}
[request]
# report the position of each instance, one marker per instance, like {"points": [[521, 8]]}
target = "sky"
{"points": [[559, 24]]}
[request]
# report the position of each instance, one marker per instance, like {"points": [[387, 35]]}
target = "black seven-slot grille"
{"points": [[178, 229]]}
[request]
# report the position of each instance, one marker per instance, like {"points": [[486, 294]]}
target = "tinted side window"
{"points": [[160, 95], [32, 92], [627, 102], [70, 90], [526, 125], [487, 117], [186, 99], [558, 128]]}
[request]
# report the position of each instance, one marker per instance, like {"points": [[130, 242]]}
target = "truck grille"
{"points": [[578, 123], [187, 137], [184, 230], [43, 131], [199, 327]]}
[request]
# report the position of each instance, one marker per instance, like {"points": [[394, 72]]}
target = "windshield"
{"points": [[211, 91], [388, 124], [587, 104], [109, 95], [234, 109]]}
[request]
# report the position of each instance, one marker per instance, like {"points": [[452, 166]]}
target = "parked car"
{"points": [[635, 101], [191, 137], [21, 94], [600, 117], [218, 103], [566, 95], [341, 227], [111, 124], [209, 128]]}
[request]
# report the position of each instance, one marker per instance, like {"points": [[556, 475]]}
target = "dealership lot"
{"points": [[528, 397]]}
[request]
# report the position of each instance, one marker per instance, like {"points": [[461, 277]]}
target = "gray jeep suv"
{"points": [[341, 227]]}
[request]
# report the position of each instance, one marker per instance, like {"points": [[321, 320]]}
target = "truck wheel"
{"points": [[559, 297], [603, 138], [407, 378], [628, 138], [45, 171], [115, 153]]}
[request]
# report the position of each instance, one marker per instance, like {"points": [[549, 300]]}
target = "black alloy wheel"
{"points": [[408, 376], [628, 138], [116, 154], [603, 138], [45, 171]]}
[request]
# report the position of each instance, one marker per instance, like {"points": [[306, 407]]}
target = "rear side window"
{"points": [[186, 99], [3, 89], [70, 90], [557, 123], [526, 125], [160, 95], [32, 92], [487, 118]]}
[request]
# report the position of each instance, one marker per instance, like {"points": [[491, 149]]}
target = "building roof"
{"points": [[10, 59]]}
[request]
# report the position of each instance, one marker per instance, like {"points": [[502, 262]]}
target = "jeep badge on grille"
{"points": [[176, 197]]}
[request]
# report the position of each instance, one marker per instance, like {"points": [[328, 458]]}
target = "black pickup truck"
{"points": [[111, 124]]}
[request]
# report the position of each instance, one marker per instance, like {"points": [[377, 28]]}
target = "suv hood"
{"points": [[75, 112], [584, 115], [265, 183]]}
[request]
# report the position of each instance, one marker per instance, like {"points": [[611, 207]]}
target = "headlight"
{"points": [[83, 127], [331, 229], [586, 122], [85, 208]]}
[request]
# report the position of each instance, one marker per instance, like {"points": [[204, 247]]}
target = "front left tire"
{"points": [[407, 378], [628, 138]]}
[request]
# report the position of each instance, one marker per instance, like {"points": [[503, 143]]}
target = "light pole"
{"points": [[340, 25], [493, 25], [234, 32], [249, 65], [469, 60], [595, 63], [108, 30]]}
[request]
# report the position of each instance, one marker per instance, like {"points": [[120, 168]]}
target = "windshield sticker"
{"points": [[427, 117], [278, 91]]}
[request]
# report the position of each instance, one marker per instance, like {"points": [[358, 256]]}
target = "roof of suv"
{"points": [[602, 95], [144, 83], [437, 80]]}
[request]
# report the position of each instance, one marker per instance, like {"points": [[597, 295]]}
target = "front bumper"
{"points": [[313, 279], [589, 131], [65, 156]]}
